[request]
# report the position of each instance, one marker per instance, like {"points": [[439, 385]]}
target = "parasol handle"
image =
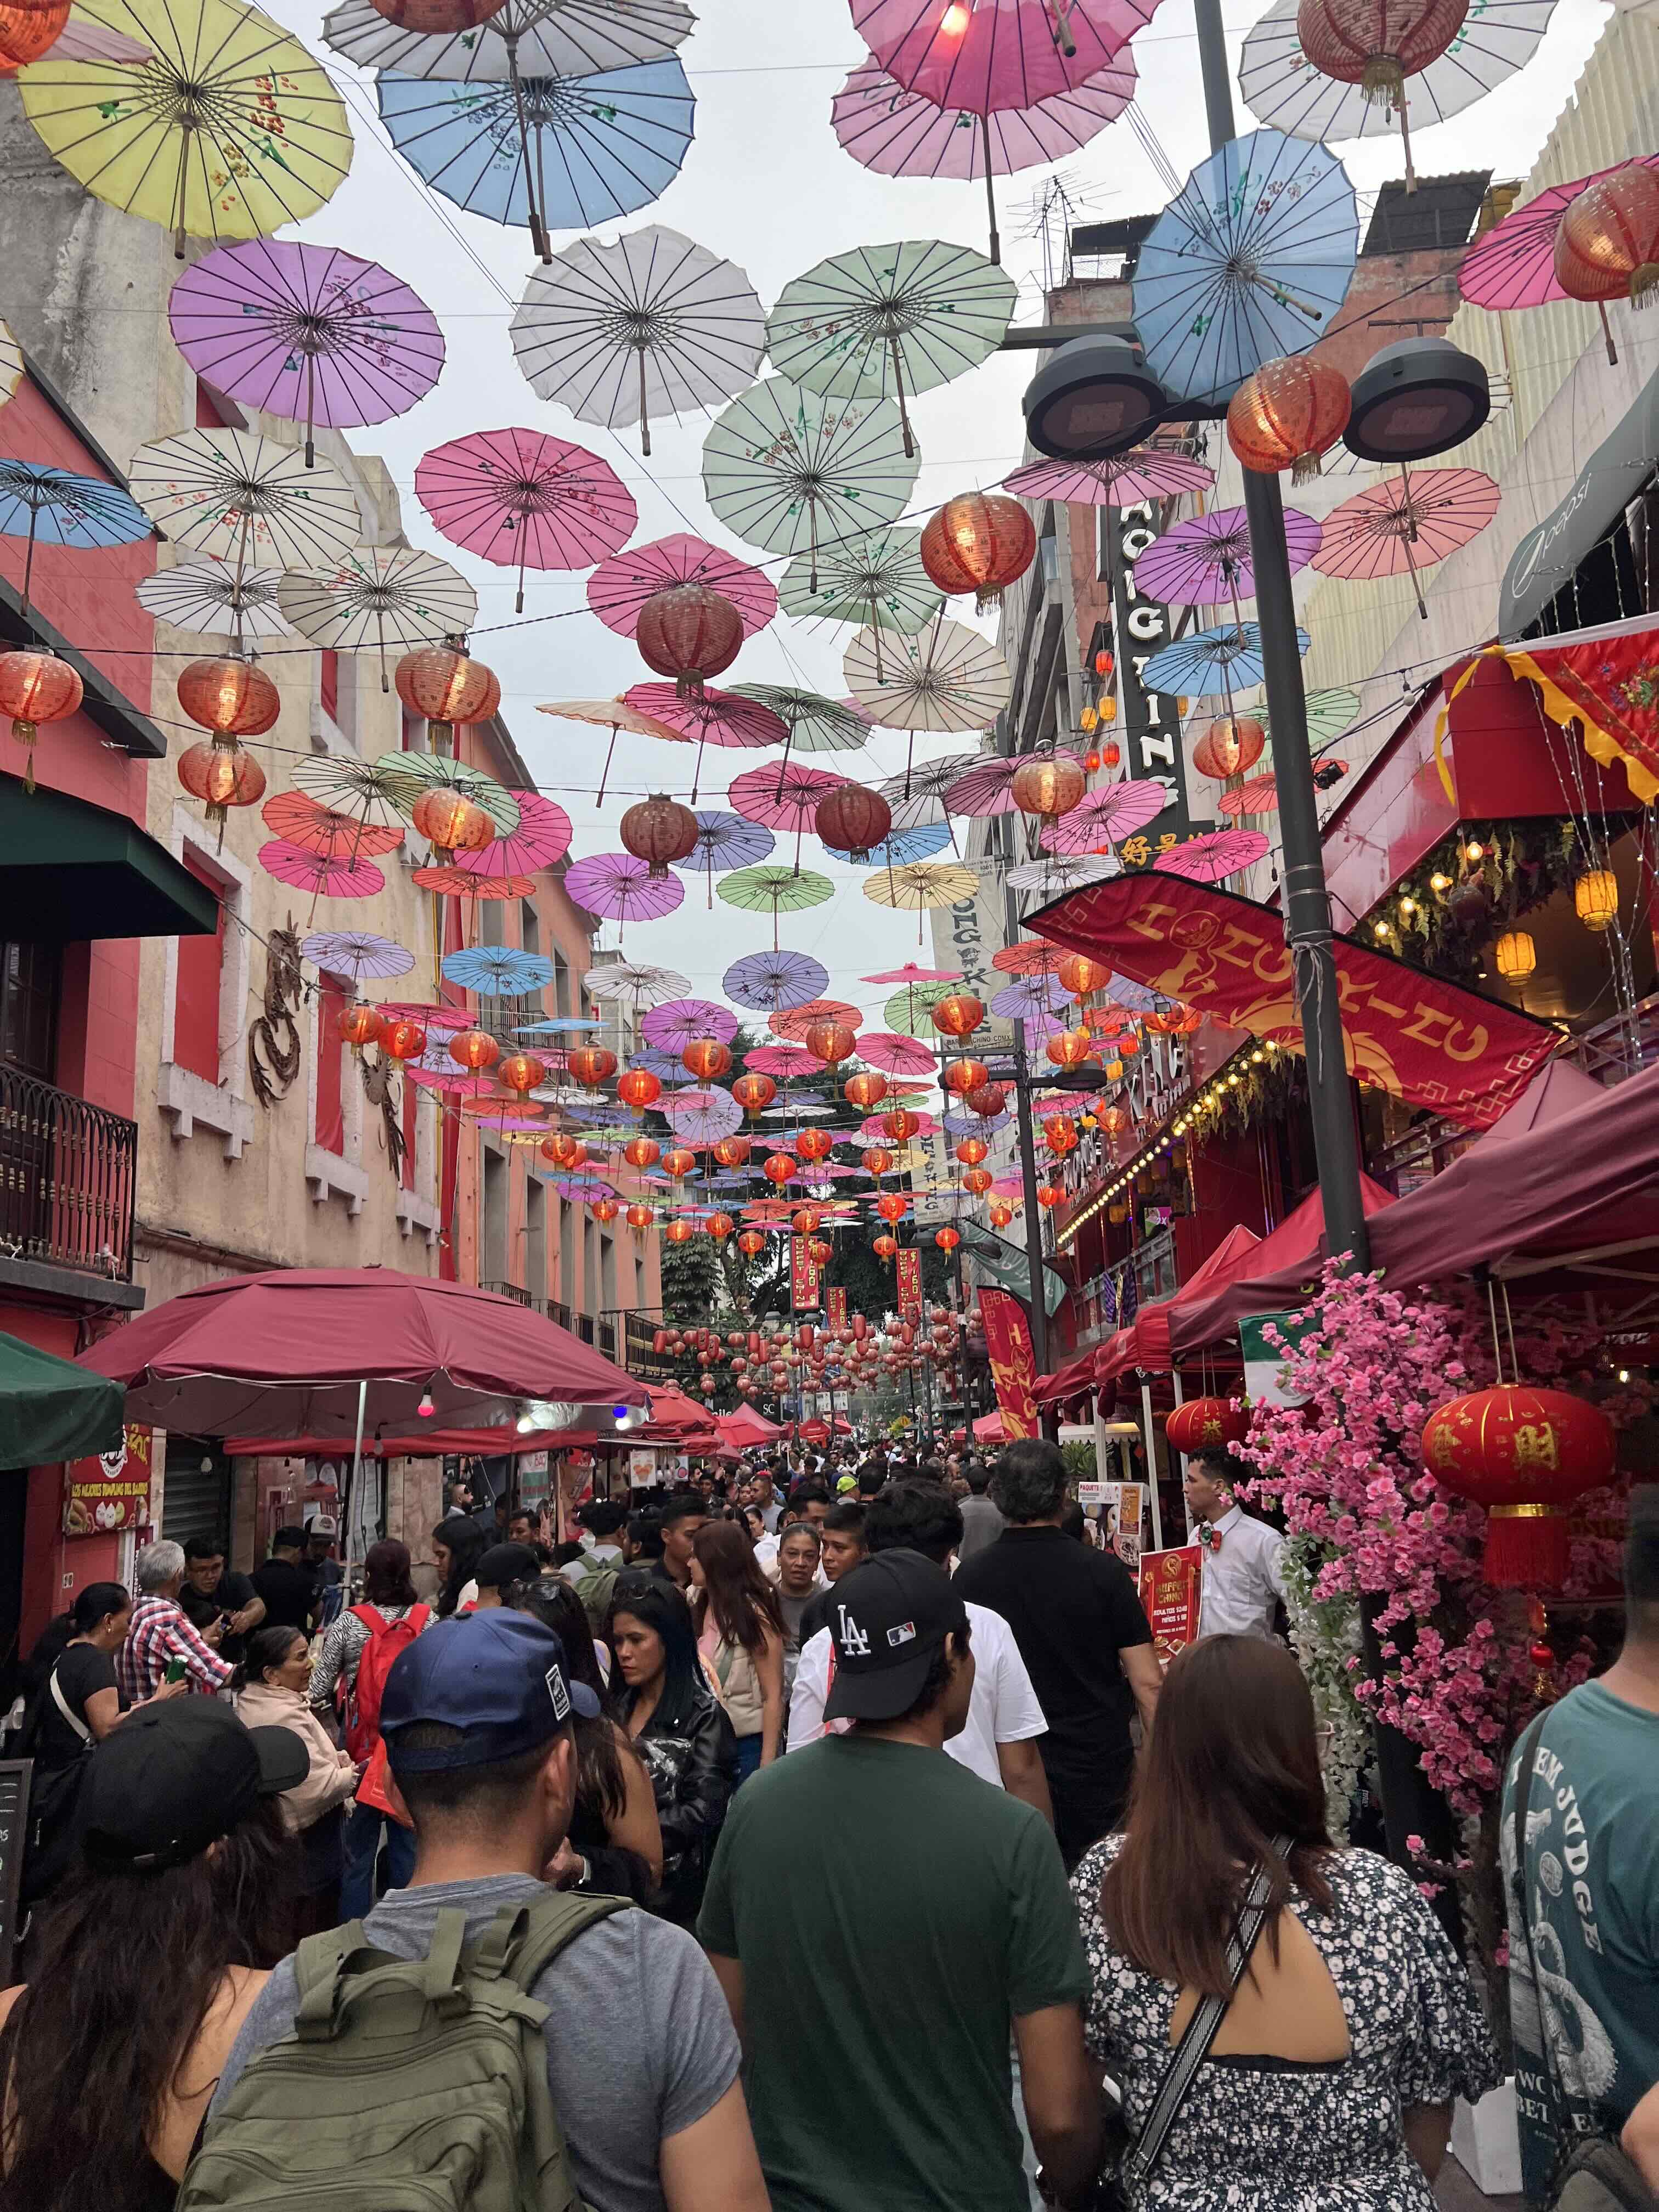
{"points": [[605, 771], [184, 128], [1607, 332], [645, 420], [311, 409], [28, 561], [537, 235], [696, 771], [990, 189], [380, 632], [898, 382], [1406, 142]]}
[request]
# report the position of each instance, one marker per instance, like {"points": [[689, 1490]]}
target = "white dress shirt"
{"points": [[1003, 1709], [1243, 1578]]}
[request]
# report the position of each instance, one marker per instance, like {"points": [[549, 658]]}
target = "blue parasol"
{"points": [[666, 1066], [904, 846], [775, 982], [498, 971], [1248, 262], [725, 840], [566, 1024], [53, 506], [1210, 661]]}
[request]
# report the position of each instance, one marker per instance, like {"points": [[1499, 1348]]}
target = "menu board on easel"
{"points": [[14, 1825]]}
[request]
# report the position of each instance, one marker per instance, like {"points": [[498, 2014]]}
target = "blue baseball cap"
{"points": [[497, 1676]]}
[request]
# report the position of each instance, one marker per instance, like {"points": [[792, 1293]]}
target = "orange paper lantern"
{"points": [[1069, 1047], [705, 1058], [957, 1016], [733, 1152], [565, 1151], [891, 1207], [522, 1071], [679, 1161], [883, 1247], [451, 822], [754, 1093], [448, 687], [878, 1161], [1377, 44], [986, 1101], [475, 1049], [999, 1214], [222, 776], [641, 1152], [679, 1233], [1081, 976], [659, 830], [777, 1167], [639, 1217], [947, 1238], [804, 1220], [962, 1076], [752, 1243], [27, 30], [36, 688], [830, 1041], [900, 1126], [971, 1150], [360, 1025], [978, 541], [1047, 786], [866, 1090], [1230, 744], [814, 1144], [403, 1039], [232, 698], [851, 820], [1060, 1135], [638, 1088], [978, 1181], [591, 1064], [1049, 1196], [1287, 414], [603, 1209]]}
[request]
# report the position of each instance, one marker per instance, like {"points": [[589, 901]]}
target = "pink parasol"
{"points": [[526, 500], [1144, 473], [301, 821], [987, 787], [323, 876], [454, 1080], [620, 587], [1514, 265], [456, 883], [894, 1054], [1392, 529], [1029, 957], [1214, 856], [796, 1020], [784, 797], [780, 1062], [1106, 817], [307, 332], [911, 974], [1002, 53], [715, 718], [1205, 562], [613, 714], [871, 1131], [620, 889], [431, 1017], [680, 1022], [541, 837], [1259, 796]]}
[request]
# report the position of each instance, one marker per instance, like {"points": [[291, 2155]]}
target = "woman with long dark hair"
{"points": [[673, 1720], [146, 1961], [1332, 2074], [269, 1690], [457, 1544], [739, 1630], [615, 1842]]}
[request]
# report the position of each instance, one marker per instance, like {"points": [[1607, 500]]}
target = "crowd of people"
{"points": [[854, 1846]]}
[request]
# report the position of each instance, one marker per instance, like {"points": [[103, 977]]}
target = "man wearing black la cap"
{"points": [[879, 1918], [640, 2056]]}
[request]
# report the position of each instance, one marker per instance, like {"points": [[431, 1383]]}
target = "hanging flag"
{"points": [[803, 1276], [1425, 1040], [835, 1306], [908, 1263], [1013, 1367]]}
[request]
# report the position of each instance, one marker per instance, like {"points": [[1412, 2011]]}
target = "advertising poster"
{"points": [[1013, 1368], [110, 1491], [803, 1276], [835, 1305], [907, 1261], [1171, 1585], [1118, 1507], [642, 1468]]}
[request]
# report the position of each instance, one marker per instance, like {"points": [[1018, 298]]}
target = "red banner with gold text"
{"points": [[1427, 1042], [1013, 1366], [908, 1263], [835, 1305], [803, 1275], [1171, 1590]]}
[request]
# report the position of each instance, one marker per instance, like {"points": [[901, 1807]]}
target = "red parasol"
{"points": [[1028, 958], [456, 883], [796, 1021], [1259, 796], [1392, 529], [321, 830], [526, 500], [1211, 858]]}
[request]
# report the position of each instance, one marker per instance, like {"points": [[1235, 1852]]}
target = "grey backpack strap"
{"points": [[523, 1941]]}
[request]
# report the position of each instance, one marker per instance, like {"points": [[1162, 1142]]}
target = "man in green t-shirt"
{"points": [[879, 1918]]}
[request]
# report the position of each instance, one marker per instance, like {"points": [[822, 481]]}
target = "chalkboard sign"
{"points": [[14, 1824]]}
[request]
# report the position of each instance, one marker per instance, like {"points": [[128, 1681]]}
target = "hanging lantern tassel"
{"points": [[1525, 1455]]}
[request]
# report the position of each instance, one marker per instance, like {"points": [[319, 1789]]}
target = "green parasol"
{"points": [[877, 579], [816, 725], [407, 776], [773, 888], [52, 1410], [910, 1010], [1329, 713]]}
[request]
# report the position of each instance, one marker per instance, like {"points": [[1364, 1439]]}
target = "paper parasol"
{"points": [[550, 152], [205, 598], [455, 882], [947, 679], [568, 37], [795, 1021], [1031, 994], [1281, 87], [780, 1063], [227, 128], [378, 596], [773, 982], [1029, 957], [1106, 817], [984, 786], [1009, 54], [921, 842], [345, 786], [1205, 562], [1514, 265], [1259, 796], [1392, 529], [242, 497], [680, 1022], [1142, 473], [1250, 260], [498, 971], [702, 1115], [1057, 874], [1211, 661], [921, 795], [782, 795], [724, 841], [407, 776], [303, 821], [774, 890], [619, 587], [619, 888], [1211, 858], [885, 322], [788, 470], [308, 332], [879, 579], [522, 500], [338, 878], [52, 507], [1330, 713], [358, 954], [812, 724], [920, 885], [542, 838], [894, 1054], [910, 1010], [725, 719], [613, 714], [452, 1081], [653, 325], [633, 985], [911, 973]]}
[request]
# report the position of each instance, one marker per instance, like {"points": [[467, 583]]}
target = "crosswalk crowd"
{"points": [[831, 1837]]}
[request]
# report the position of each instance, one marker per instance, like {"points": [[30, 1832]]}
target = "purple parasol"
{"points": [[667, 1065], [541, 837], [1212, 857], [620, 889], [681, 1021], [986, 788], [1206, 562], [894, 1054], [619, 587], [725, 840], [1031, 995], [702, 1115], [773, 982], [1144, 473], [307, 332], [1106, 816]]}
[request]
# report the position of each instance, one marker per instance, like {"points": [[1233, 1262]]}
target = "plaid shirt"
{"points": [[160, 1632]]}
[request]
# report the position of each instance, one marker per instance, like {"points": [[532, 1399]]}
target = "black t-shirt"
{"points": [[83, 1671], [289, 1593], [816, 1615], [1071, 1609], [230, 1594]]}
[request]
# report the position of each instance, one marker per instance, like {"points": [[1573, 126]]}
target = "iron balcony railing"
{"points": [[514, 1291], [68, 1174]]}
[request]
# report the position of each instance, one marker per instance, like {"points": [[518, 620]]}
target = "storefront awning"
{"points": [[1548, 557], [51, 1410], [71, 871]]}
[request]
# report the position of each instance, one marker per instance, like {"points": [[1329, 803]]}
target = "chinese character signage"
{"points": [[1171, 1586], [835, 1305], [110, 1491], [1013, 1367], [803, 1276], [907, 1261]]}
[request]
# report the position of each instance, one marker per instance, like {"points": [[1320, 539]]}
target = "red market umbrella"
{"points": [[1396, 529]]}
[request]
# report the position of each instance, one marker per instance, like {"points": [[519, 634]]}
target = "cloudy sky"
{"points": [[767, 186]]}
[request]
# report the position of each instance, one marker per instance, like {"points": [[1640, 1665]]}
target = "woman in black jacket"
{"points": [[679, 1730]]}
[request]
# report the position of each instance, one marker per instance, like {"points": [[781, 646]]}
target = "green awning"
{"points": [[71, 871], [52, 1410]]}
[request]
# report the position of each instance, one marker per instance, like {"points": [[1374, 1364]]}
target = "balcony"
{"points": [[514, 1291], [606, 1338], [68, 1184], [556, 1310]]}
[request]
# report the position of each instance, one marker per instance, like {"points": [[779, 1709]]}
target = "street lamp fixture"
{"points": [[1418, 397], [1095, 398]]}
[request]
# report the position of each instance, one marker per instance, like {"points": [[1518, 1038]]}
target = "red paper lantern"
{"points": [[978, 541], [705, 1058], [222, 776], [883, 1247], [947, 1238], [360, 1025], [1050, 1195], [688, 632], [719, 1227], [639, 1217], [1116, 1121], [1173, 1021], [641, 1152], [1047, 786], [853, 820], [830, 1041], [679, 1161], [866, 1090], [1377, 44], [591, 1064], [448, 687], [971, 1150], [566, 1152], [987, 1100], [1287, 414], [403, 1040], [474, 1050], [232, 698], [1001, 1214], [1059, 1134], [29, 29], [733, 1152], [977, 1181], [814, 1144], [957, 1016], [1069, 1047], [804, 1220], [891, 1207], [778, 1168], [1111, 753], [754, 1093], [658, 830], [752, 1243], [450, 821], [878, 1161], [1524, 1455], [900, 1126], [822, 1251], [638, 1088], [1203, 1423], [522, 1071], [1230, 744], [603, 1209], [1081, 976], [679, 1233]]}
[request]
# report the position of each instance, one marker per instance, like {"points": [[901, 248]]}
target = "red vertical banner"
{"points": [[835, 1305], [803, 1276], [908, 1260], [1013, 1368]]}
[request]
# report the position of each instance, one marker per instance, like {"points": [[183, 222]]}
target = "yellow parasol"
{"points": [[228, 130]]}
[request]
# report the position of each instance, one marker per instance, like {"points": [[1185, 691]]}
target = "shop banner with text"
{"points": [[1171, 1587], [110, 1491], [803, 1275], [835, 1305], [1425, 1041], [907, 1262], [1013, 1367]]}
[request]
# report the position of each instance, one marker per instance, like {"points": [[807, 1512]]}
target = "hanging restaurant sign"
{"points": [[110, 1491], [907, 1267], [1150, 721]]}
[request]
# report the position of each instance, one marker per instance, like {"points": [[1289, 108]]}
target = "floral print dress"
{"points": [[1273, 2135]]}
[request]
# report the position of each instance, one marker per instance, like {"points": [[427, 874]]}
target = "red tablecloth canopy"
{"points": [[1146, 1342], [988, 1428], [745, 1428]]}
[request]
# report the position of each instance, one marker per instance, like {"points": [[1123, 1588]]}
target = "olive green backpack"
{"points": [[407, 2085]]}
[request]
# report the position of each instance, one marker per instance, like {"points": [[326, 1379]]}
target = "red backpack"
{"points": [[386, 1639]]}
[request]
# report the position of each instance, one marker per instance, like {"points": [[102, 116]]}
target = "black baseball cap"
{"points": [[503, 1564], [498, 1677], [177, 1776], [889, 1618]]}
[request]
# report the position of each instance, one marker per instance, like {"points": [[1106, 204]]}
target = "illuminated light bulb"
{"points": [[1408, 906], [1439, 883], [426, 1409], [1382, 930], [1473, 851], [954, 21]]}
